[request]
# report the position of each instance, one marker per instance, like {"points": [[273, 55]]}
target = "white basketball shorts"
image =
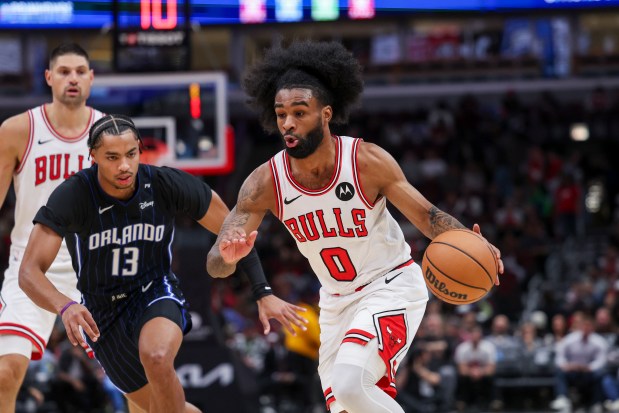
{"points": [[388, 309], [20, 317]]}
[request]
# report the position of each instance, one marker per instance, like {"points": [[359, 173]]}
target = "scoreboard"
{"points": [[172, 14], [151, 35], [55, 14]]}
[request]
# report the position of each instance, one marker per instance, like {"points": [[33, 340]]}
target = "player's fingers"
{"points": [[299, 322], [297, 308], [70, 335], [77, 335], [298, 319], [287, 324], [476, 229], [90, 327], [265, 324], [497, 253], [251, 238]]}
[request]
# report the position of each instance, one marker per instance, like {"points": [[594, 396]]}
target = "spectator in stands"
{"points": [[433, 369], [303, 349], [283, 378], [609, 262], [580, 359], [535, 357], [508, 350], [77, 388], [420, 385], [605, 325], [476, 362], [567, 201], [558, 330]]}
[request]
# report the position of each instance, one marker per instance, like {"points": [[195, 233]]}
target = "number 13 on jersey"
{"points": [[125, 261]]}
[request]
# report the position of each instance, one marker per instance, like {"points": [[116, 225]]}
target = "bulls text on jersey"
{"points": [[57, 166], [306, 227]]}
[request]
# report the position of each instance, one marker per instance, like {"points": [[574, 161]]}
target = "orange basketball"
{"points": [[459, 266]]}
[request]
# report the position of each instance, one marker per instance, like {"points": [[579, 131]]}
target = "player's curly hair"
{"points": [[327, 68]]}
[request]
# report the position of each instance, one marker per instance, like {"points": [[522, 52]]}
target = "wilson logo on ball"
{"points": [[441, 287]]}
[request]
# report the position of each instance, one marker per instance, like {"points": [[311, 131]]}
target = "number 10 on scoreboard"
{"points": [[151, 15]]}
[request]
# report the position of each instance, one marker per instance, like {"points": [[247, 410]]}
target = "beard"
{"points": [[306, 146], [73, 101]]}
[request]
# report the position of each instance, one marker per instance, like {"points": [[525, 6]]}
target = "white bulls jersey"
{"points": [[349, 240], [49, 159]]}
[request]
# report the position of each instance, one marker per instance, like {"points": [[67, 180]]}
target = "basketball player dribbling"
{"points": [[39, 149], [330, 192]]}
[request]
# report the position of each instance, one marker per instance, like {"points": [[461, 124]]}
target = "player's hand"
{"points": [[234, 248], [271, 306], [77, 316], [497, 253]]}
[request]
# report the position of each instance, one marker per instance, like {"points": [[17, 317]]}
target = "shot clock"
{"points": [[151, 35]]}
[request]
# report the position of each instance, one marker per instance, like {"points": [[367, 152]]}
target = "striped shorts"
{"points": [[117, 348]]}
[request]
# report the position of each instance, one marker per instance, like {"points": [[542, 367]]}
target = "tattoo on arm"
{"points": [[441, 222], [215, 264], [232, 227], [249, 193]]}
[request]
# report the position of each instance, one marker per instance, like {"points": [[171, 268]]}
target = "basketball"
{"points": [[459, 266]]}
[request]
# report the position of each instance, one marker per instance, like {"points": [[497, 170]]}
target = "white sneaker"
{"points": [[561, 403]]}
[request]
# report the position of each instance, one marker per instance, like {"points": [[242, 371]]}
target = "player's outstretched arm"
{"points": [[234, 247], [13, 141], [41, 251], [239, 230], [381, 173]]}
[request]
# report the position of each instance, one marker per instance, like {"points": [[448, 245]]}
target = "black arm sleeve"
{"points": [[250, 265], [184, 193], [64, 212]]}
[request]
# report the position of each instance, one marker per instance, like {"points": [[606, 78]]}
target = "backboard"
{"points": [[182, 117]]}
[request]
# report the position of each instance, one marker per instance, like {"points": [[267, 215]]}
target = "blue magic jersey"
{"points": [[118, 247]]}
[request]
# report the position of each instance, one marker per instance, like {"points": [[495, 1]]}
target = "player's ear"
{"points": [[327, 113], [48, 77]]}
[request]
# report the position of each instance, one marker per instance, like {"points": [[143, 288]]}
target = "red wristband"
{"points": [[67, 305]]}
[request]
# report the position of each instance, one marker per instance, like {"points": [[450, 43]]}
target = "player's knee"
{"points": [[348, 385], [12, 372], [156, 359]]}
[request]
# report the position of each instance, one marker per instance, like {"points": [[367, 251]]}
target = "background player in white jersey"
{"points": [[39, 149], [331, 194]]}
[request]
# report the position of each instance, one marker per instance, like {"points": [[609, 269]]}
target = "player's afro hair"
{"points": [[327, 68]]}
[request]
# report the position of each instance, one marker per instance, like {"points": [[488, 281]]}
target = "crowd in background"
{"points": [[549, 202]]}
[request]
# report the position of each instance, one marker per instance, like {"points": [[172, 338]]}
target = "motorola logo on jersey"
{"points": [[344, 191], [130, 233], [58, 166]]}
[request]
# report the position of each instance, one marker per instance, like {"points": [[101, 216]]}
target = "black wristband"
{"points": [[251, 266]]}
